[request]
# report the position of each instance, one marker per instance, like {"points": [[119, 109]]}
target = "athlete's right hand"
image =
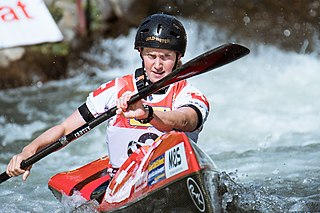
{"points": [[135, 110], [13, 168]]}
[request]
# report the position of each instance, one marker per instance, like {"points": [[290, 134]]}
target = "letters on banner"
{"points": [[26, 22]]}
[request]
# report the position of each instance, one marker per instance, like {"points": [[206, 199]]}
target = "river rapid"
{"points": [[262, 133]]}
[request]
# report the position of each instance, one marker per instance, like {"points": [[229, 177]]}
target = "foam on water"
{"points": [[263, 98]]}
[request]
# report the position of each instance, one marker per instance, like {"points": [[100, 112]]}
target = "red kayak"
{"points": [[171, 175]]}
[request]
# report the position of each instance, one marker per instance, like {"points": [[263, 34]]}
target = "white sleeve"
{"points": [[192, 96], [102, 99]]}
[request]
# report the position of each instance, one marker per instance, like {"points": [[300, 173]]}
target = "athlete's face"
{"points": [[158, 62]]}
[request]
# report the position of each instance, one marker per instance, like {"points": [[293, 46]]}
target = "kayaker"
{"points": [[161, 41]]}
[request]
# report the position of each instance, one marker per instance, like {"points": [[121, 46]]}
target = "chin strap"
{"points": [[141, 78]]}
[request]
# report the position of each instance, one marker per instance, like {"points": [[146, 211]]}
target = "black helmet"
{"points": [[161, 31]]}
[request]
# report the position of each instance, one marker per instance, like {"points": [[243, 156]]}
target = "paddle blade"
{"points": [[207, 61]]}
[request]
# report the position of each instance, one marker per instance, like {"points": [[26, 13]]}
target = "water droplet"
{"points": [[287, 32], [313, 13], [246, 20], [297, 26], [39, 84]]}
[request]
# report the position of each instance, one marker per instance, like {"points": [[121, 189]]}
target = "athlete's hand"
{"points": [[13, 168], [135, 110]]}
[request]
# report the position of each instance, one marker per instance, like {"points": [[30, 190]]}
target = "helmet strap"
{"points": [[141, 78], [176, 62]]}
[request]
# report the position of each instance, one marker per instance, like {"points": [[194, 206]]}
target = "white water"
{"points": [[263, 129]]}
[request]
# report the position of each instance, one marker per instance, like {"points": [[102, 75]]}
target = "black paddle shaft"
{"points": [[203, 63]]}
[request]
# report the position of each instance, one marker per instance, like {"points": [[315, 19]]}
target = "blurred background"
{"points": [[292, 25]]}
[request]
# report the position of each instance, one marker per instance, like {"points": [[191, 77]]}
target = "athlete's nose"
{"points": [[158, 63]]}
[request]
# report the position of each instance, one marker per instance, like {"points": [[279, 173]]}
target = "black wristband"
{"points": [[150, 115]]}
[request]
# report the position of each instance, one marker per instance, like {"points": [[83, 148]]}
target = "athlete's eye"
{"points": [[166, 57], [163, 57], [150, 56]]}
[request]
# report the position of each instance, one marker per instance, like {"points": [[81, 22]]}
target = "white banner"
{"points": [[26, 22]]}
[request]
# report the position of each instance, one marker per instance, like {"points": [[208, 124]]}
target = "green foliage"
{"points": [[58, 49], [95, 15], [62, 49], [56, 13]]}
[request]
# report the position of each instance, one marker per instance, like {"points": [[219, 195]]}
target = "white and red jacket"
{"points": [[123, 132]]}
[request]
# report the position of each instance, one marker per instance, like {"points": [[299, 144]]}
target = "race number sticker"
{"points": [[175, 160]]}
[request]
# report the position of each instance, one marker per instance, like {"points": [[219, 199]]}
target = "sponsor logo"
{"points": [[161, 40], [82, 132], [196, 194], [156, 170], [175, 160], [156, 163]]}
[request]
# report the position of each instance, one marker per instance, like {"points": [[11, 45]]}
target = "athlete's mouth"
{"points": [[158, 73]]}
